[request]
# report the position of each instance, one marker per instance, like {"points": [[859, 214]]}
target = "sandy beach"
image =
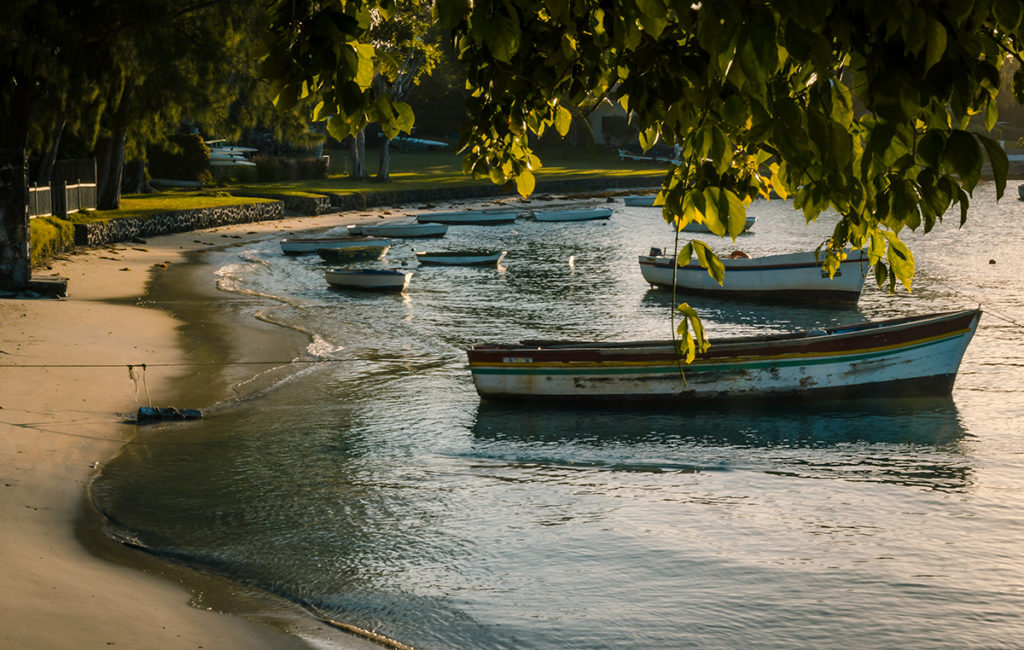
{"points": [[65, 392]]}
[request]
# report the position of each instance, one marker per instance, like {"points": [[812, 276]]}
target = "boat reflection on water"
{"points": [[729, 317], [903, 441]]}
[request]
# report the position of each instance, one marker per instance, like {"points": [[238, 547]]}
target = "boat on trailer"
{"points": [[400, 229], [469, 217], [793, 277], [305, 245], [901, 357], [572, 214], [369, 279], [460, 258]]}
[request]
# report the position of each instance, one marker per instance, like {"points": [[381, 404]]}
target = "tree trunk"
{"points": [[384, 164], [108, 186], [15, 268], [358, 151], [109, 192], [46, 164]]}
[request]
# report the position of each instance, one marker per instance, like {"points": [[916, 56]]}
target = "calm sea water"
{"points": [[382, 492]]}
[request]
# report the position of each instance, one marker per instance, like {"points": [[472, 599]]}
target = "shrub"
{"points": [[48, 238], [184, 157]]}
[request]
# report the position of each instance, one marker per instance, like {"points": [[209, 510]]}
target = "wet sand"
{"points": [[62, 413]]}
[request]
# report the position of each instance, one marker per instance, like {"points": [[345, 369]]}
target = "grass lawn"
{"points": [[425, 169]]}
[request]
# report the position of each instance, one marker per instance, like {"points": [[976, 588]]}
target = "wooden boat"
{"points": [[700, 227], [794, 277], [645, 201], [572, 214], [460, 258], [469, 217], [913, 356], [302, 246], [400, 229], [369, 279], [353, 253]]}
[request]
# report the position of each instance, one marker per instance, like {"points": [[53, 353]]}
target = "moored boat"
{"points": [[304, 245], [400, 229], [794, 277], [702, 228], [912, 356], [353, 253], [643, 201], [572, 214], [460, 258], [369, 279], [469, 217]]}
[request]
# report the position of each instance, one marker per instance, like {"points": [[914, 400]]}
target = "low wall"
{"points": [[119, 230], [306, 206], [361, 201]]}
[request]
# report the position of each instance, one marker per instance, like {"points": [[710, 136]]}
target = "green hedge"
{"points": [[185, 157], [49, 237]]}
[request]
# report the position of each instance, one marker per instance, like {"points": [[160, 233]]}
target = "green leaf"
{"points": [[689, 345], [338, 128], [881, 273], [563, 120], [708, 260], [716, 211], [962, 156], [1008, 13], [737, 214], [999, 161], [901, 260], [683, 258], [936, 43], [525, 183], [648, 138]]}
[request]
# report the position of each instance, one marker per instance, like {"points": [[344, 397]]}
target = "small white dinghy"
{"points": [[469, 217], [369, 279], [645, 201], [400, 229], [461, 258], [572, 214], [793, 277], [700, 227], [302, 246]]}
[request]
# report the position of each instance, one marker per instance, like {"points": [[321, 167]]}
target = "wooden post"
{"points": [[15, 268]]}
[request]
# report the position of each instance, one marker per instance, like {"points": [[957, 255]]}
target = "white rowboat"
{"points": [[400, 229], [645, 201], [794, 277], [469, 217], [461, 258], [369, 279], [302, 246], [573, 214]]}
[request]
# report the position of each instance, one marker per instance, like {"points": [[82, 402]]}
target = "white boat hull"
{"points": [[465, 258], [579, 214], [920, 357], [786, 278], [646, 201], [368, 280], [469, 217], [701, 228], [401, 230], [303, 246]]}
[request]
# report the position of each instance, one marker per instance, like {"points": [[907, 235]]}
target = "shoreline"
{"points": [[58, 564], [61, 419]]}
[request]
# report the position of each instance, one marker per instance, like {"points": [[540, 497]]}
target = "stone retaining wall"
{"points": [[119, 230], [305, 205]]}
